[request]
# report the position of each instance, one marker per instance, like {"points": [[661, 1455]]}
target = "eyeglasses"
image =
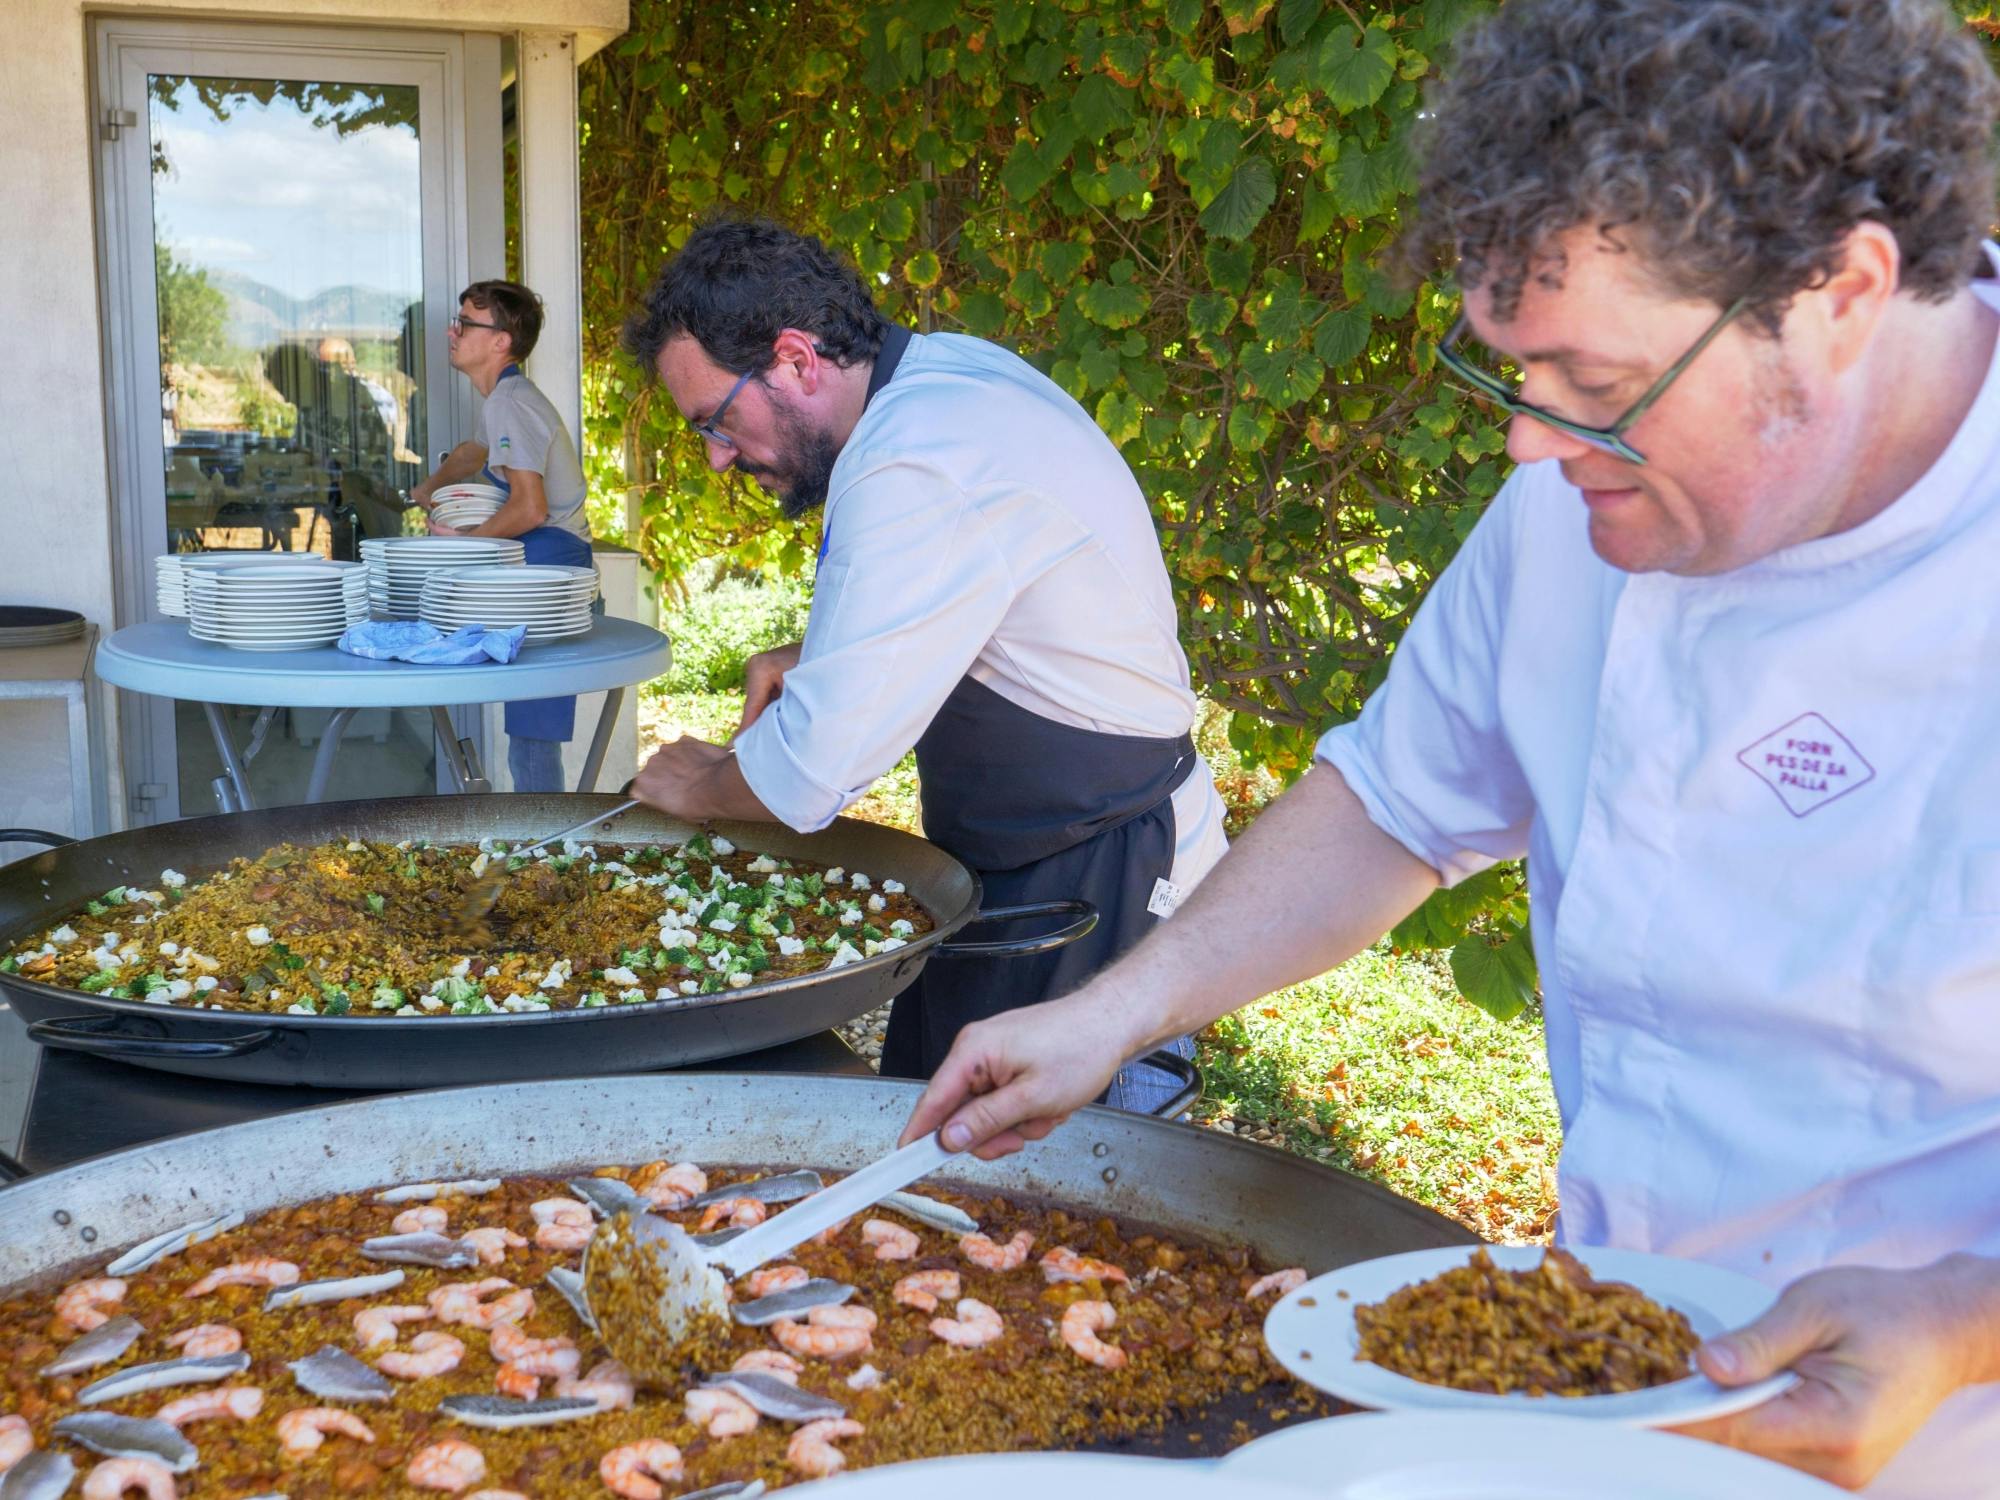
{"points": [[1505, 394], [709, 428], [459, 325]]}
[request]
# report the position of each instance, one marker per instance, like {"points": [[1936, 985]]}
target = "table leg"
{"points": [[236, 780], [329, 746], [607, 718], [462, 756]]}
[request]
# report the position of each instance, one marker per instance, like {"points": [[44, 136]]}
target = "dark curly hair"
{"points": [[1730, 143], [737, 283]]}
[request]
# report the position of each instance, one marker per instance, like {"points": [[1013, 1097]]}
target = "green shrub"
{"points": [[721, 628]]}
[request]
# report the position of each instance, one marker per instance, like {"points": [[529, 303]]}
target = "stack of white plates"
{"points": [[172, 571], [398, 566], [277, 606], [554, 603], [461, 505]]}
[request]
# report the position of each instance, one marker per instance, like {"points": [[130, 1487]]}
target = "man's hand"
{"points": [[1014, 1078], [690, 778], [764, 679], [420, 495], [438, 528], [1876, 1352]]}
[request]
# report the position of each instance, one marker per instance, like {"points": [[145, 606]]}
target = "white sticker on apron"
{"points": [[1167, 897]]}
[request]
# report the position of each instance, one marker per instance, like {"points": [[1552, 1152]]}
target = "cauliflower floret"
{"points": [[257, 937]]}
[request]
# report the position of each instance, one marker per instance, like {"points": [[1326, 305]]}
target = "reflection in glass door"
{"points": [[288, 282], [290, 216]]}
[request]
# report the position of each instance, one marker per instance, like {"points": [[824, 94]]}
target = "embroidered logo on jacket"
{"points": [[1808, 763]]}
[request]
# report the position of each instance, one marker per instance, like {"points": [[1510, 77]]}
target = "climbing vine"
{"points": [[1176, 208]]}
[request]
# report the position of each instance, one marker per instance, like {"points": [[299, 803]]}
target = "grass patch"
{"points": [[1378, 1067]]}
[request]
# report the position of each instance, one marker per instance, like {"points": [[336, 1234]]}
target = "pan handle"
{"points": [[34, 836], [98, 1036], [1083, 911], [12, 1168], [1189, 1093]]}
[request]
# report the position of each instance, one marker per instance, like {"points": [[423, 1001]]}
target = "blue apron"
{"points": [[1042, 811], [542, 718]]}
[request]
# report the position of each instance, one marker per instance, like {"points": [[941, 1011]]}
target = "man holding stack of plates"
{"points": [[526, 455], [1719, 661]]}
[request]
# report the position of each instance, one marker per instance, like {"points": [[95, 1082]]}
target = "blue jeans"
{"points": [[1142, 1088], [536, 764]]}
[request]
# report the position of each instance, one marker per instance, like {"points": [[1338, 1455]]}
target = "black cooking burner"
{"points": [[84, 1106]]}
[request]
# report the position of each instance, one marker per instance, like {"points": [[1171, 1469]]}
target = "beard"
{"points": [[804, 467]]}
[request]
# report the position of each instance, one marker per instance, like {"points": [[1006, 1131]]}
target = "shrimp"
{"points": [[464, 1302], [1064, 1264], [607, 1382], [742, 1213], [513, 1380], [425, 1218], [302, 1430], [508, 1342], [975, 1324], [832, 1231], [429, 1354], [771, 1362], [672, 1186], [449, 1465], [984, 1253], [891, 1241], [634, 1471], [777, 1279], [1081, 1323], [376, 1326], [492, 1246], [259, 1270], [206, 1340], [922, 1289], [723, 1413], [239, 1401], [17, 1441], [562, 1223], [1282, 1282], [554, 1357], [828, 1332], [811, 1449], [82, 1303], [112, 1478]]}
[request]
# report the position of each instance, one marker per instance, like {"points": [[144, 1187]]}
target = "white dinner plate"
{"points": [[1507, 1456], [1052, 1476], [1311, 1333]]}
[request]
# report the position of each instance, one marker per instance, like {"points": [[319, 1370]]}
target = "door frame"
{"points": [[458, 104]]}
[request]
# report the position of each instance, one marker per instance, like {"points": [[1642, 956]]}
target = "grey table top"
{"points": [[160, 657]]}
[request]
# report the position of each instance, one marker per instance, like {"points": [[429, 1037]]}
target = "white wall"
{"points": [[55, 497]]}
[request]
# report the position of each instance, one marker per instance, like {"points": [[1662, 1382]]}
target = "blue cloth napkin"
{"points": [[425, 644]]}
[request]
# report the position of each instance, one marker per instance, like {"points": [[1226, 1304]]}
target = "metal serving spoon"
{"points": [[485, 890], [652, 1288]]}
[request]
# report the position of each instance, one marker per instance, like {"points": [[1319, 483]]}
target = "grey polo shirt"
{"points": [[522, 430]]}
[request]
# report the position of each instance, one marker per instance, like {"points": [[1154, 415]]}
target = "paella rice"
{"points": [[1553, 1330], [354, 928], [362, 1388]]}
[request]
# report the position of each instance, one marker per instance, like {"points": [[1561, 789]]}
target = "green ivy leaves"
{"points": [[1244, 200]]}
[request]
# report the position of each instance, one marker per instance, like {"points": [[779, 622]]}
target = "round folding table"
{"points": [[160, 657]]}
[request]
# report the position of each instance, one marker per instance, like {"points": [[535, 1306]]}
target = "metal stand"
{"points": [[607, 718], [232, 787], [329, 744], [460, 755]]}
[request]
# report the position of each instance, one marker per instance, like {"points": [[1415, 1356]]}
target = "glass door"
{"points": [[287, 228]]}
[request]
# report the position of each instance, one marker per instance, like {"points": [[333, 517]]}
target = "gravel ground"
{"points": [[864, 1034]]}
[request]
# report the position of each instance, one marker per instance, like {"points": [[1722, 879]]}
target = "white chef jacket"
{"points": [[977, 521], [1761, 813]]}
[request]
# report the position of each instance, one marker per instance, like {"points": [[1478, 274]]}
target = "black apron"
{"points": [[1042, 811]]}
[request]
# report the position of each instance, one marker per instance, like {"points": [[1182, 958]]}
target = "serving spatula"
{"points": [[691, 1280], [485, 890]]}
